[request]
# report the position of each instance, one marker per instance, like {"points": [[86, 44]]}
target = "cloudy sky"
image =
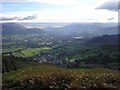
{"points": [[59, 11]]}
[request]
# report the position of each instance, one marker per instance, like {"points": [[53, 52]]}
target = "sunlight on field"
{"points": [[20, 52]]}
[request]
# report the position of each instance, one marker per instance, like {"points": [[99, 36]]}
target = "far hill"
{"points": [[75, 29], [18, 29], [85, 29], [106, 39], [12, 28]]}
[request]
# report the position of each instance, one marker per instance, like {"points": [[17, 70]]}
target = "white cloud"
{"points": [[74, 12]]}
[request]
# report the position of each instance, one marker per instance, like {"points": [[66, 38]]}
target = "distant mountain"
{"points": [[93, 28], [106, 39], [18, 29], [85, 29], [109, 30], [12, 28], [35, 31], [71, 30]]}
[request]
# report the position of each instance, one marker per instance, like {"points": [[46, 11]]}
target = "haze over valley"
{"points": [[64, 44]]}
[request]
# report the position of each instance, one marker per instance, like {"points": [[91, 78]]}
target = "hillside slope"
{"points": [[51, 76]]}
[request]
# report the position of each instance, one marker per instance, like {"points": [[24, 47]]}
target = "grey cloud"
{"points": [[113, 6], [29, 17], [89, 19], [110, 18], [7, 19], [18, 18]]}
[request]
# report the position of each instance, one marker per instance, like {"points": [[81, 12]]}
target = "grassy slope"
{"points": [[51, 76]]}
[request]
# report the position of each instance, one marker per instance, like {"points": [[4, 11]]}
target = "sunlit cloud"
{"points": [[62, 11]]}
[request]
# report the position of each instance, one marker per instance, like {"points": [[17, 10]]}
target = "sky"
{"points": [[59, 11]]}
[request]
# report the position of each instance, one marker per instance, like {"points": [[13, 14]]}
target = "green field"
{"points": [[52, 76], [10, 50], [29, 52]]}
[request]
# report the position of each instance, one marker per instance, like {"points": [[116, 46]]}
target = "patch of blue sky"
{"points": [[26, 6]]}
